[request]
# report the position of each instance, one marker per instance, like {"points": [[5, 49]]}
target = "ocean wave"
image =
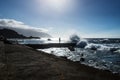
{"points": [[101, 58]]}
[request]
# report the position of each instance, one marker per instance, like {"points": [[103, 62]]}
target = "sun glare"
{"points": [[55, 6]]}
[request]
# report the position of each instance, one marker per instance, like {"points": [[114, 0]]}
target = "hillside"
{"points": [[8, 33]]}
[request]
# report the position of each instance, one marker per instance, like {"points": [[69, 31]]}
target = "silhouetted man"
{"points": [[59, 39]]}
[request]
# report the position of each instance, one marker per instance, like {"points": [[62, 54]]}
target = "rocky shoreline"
{"points": [[19, 62]]}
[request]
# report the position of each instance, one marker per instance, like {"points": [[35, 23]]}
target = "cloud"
{"points": [[22, 28]]}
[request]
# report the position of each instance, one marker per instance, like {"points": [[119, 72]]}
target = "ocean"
{"points": [[99, 53]]}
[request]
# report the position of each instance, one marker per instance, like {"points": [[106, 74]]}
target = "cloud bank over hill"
{"points": [[23, 29]]}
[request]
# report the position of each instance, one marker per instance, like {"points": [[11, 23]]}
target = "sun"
{"points": [[55, 6]]}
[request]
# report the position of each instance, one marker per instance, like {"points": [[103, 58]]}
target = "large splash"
{"points": [[80, 42]]}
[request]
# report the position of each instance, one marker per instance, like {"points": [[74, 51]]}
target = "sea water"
{"points": [[106, 56], [102, 58]]}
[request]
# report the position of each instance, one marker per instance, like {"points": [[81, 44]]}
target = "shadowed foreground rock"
{"points": [[24, 63]]}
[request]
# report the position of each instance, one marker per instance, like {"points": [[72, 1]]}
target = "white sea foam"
{"points": [[101, 58]]}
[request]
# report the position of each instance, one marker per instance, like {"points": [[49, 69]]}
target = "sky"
{"points": [[61, 18]]}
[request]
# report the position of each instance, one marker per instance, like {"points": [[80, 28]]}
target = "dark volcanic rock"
{"points": [[93, 48], [82, 44]]}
